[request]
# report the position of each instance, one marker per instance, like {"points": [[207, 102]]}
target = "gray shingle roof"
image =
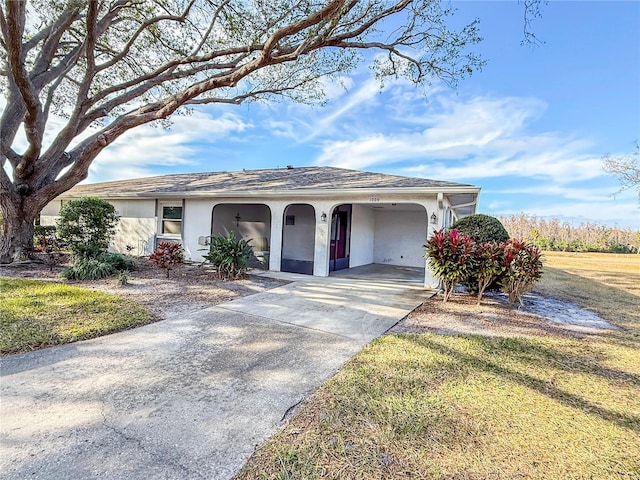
{"points": [[298, 179]]}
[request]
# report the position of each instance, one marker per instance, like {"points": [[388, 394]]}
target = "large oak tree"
{"points": [[109, 66]]}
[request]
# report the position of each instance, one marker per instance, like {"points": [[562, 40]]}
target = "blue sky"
{"points": [[530, 129]]}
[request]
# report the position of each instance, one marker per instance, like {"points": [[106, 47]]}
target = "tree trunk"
{"points": [[16, 232]]}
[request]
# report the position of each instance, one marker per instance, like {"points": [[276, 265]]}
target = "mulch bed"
{"points": [[190, 287], [461, 315]]}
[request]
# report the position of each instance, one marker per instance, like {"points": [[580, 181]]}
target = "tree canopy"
{"points": [[107, 66]]}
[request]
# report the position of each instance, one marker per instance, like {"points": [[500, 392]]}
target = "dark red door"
{"points": [[338, 256]]}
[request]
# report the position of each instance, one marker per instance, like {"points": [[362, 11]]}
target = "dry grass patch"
{"points": [[614, 270], [427, 406], [540, 405]]}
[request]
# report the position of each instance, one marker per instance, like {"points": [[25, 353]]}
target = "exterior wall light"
{"points": [[238, 217], [323, 217], [434, 218]]}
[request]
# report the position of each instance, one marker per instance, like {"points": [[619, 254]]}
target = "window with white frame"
{"points": [[171, 221]]}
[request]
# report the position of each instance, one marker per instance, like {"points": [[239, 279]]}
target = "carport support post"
{"points": [[275, 247], [430, 281], [321, 253]]}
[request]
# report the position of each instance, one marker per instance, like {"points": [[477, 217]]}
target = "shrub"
{"points": [[87, 226], [482, 228], [101, 266], [451, 258], [522, 268], [229, 256], [88, 269], [263, 261], [167, 255], [488, 266], [514, 265], [119, 261], [45, 238]]}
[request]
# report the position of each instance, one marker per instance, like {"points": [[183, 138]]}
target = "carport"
{"points": [[391, 234]]}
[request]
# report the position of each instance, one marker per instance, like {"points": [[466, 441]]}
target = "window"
{"points": [[171, 220]]}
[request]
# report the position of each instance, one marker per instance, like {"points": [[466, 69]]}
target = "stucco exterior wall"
{"points": [[362, 235], [134, 208], [137, 226], [196, 218], [255, 223], [399, 237], [52, 209], [138, 233]]}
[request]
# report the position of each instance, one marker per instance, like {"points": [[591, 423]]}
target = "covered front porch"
{"points": [[375, 237]]}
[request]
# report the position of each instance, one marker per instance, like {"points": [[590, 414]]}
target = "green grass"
{"points": [[35, 314], [475, 407]]}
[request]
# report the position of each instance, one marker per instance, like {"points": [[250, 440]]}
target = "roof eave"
{"points": [[372, 191]]}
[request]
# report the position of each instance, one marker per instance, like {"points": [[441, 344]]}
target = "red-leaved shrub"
{"points": [[167, 255], [455, 258], [450, 258], [523, 268], [488, 265]]}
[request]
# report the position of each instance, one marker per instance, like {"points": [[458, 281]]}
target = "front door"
{"points": [[339, 249]]}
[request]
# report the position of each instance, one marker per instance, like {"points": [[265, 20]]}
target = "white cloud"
{"points": [[139, 151], [461, 140], [336, 87], [365, 97]]}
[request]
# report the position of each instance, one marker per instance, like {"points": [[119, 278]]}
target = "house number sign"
{"points": [[374, 199]]}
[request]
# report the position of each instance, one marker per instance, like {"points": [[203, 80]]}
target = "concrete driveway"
{"points": [[189, 397]]}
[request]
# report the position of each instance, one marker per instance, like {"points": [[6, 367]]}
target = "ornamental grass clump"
{"points": [[101, 265], [451, 258]]}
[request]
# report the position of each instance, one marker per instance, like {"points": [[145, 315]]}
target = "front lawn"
{"points": [[36, 314], [474, 407]]}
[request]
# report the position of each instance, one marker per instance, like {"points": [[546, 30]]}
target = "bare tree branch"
{"points": [[532, 10], [625, 167]]}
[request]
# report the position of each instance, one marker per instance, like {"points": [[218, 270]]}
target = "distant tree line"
{"points": [[554, 234]]}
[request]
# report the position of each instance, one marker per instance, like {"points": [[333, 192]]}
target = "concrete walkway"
{"points": [[188, 397]]}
